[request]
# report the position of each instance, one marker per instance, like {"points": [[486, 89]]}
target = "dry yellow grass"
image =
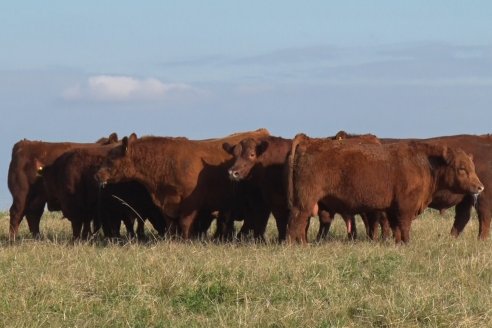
{"points": [[436, 281]]}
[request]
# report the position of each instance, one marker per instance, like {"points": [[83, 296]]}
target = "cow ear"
{"points": [[261, 147], [113, 138], [39, 167], [228, 148], [124, 145], [341, 135], [447, 154]]}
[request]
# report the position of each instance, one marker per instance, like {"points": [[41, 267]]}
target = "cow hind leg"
{"points": [[33, 220], [325, 219], [298, 224], [186, 223], [16, 214]]}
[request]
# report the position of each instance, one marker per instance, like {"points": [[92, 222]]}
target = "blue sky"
{"points": [[80, 70]]}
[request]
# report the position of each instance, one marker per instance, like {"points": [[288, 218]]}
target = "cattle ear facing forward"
{"points": [[124, 144], [261, 147], [113, 138], [126, 141], [228, 148]]}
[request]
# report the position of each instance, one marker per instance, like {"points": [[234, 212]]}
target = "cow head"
{"points": [[454, 169], [112, 139], [246, 155], [460, 175], [118, 165]]}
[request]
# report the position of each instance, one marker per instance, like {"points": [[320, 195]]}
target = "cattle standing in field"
{"points": [[182, 176], [480, 147], [399, 179], [261, 161], [28, 193], [70, 182]]}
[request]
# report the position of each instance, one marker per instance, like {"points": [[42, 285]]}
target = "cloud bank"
{"points": [[114, 88]]}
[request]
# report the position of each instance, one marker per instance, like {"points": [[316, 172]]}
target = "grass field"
{"points": [[435, 281]]}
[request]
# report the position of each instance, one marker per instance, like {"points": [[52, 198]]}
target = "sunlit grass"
{"points": [[434, 281]]}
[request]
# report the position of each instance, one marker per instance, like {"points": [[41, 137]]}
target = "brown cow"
{"points": [[399, 179], [70, 182], [25, 185], [183, 176], [480, 147], [261, 161]]}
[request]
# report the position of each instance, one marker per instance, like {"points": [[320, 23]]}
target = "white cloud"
{"points": [[113, 88]]}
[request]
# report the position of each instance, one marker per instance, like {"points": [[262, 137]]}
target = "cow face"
{"points": [[118, 165], [246, 154], [460, 172]]}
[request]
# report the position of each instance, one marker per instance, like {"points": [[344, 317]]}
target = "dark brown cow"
{"points": [[183, 176], [261, 161], [25, 185], [399, 179], [70, 182]]}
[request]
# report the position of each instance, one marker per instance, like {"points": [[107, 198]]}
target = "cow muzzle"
{"points": [[234, 175]]}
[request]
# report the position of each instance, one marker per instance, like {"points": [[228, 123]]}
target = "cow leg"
{"points": [[16, 214], [245, 229], [365, 220], [140, 229], [33, 219], [325, 219], [76, 229], [462, 215], [260, 220], [186, 223], [484, 215], [86, 229], [405, 229], [298, 223], [385, 226], [372, 224], [129, 222], [281, 217]]}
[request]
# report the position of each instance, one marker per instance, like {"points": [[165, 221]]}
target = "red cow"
{"points": [[25, 185], [399, 179], [182, 176]]}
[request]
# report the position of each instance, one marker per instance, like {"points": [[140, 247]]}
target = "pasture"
{"points": [[435, 281]]}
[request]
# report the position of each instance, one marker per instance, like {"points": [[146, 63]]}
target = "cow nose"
{"points": [[233, 174], [481, 188]]}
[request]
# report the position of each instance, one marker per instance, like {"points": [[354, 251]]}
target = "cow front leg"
{"points": [[462, 215]]}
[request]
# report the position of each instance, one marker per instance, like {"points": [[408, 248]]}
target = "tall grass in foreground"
{"points": [[436, 281]]}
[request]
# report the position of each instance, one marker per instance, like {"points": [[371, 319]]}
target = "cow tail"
{"points": [[290, 168]]}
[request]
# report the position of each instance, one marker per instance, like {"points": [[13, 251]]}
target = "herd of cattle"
{"points": [[182, 185]]}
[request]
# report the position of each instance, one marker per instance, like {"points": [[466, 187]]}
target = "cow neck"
{"points": [[277, 151], [438, 174]]}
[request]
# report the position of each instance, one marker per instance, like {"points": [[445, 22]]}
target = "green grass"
{"points": [[435, 281]]}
